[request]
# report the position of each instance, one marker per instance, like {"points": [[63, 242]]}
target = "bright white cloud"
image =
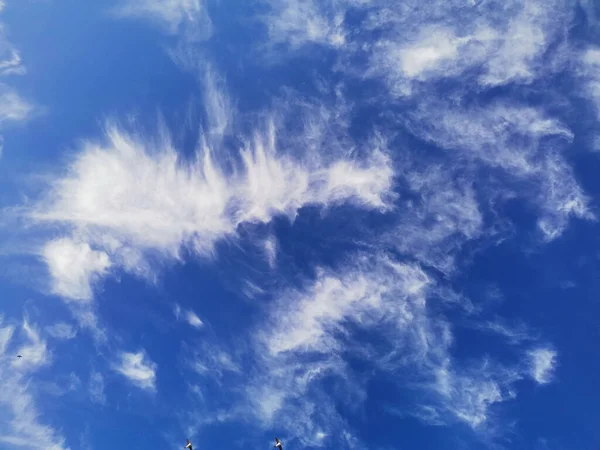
{"points": [[20, 419], [542, 364], [174, 16], [129, 198], [138, 369], [73, 267], [62, 331]]}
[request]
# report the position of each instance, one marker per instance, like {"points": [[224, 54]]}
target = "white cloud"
{"points": [[479, 45], [218, 109], [526, 38], [96, 388], [509, 138], [514, 333], [270, 247], [192, 319], [313, 328], [11, 65], [434, 48], [73, 267], [188, 316], [6, 334], [591, 71], [20, 424], [61, 385], [213, 361], [504, 47], [445, 217], [13, 107], [130, 197], [313, 317], [62, 331], [301, 22], [542, 364], [174, 16], [35, 352], [138, 369], [469, 395]]}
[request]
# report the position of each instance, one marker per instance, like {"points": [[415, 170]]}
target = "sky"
{"points": [[351, 224]]}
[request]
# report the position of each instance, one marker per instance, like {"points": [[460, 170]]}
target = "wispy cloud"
{"points": [[192, 319], [188, 17], [445, 215], [13, 107], [12, 64], [478, 131], [34, 351], [188, 316], [270, 247], [469, 395], [138, 369], [96, 388], [62, 331], [542, 364], [410, 54], [314, 329], [6, 334], [301, 22], [513, 333], [130, 196], [214, 362], [591, 71], [218, 109], [20, 418]]}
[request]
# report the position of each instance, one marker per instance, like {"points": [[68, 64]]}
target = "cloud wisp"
{"points": [[137, 368], [128, 197], [21, 422], [320, 329], [543, 364], [187, 17]]}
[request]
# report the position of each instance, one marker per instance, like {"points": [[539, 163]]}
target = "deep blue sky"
{"points": [[352, 224]]}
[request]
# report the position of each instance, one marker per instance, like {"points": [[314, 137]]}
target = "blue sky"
{"points": [[352, 224]]}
